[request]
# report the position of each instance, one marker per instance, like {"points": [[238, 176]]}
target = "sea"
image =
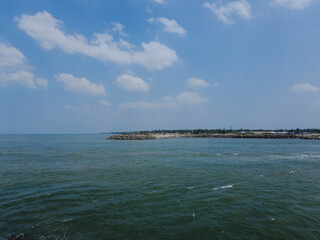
{"points": [[88, 187]]}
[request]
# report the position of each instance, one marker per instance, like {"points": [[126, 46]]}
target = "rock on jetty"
{"points": [[138, 136], [266, 135]]}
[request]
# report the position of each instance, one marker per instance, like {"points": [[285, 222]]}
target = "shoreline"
{"points": [[268, 135]]}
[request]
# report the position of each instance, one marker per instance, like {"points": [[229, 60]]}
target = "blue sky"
{"points": [[87, 66]]}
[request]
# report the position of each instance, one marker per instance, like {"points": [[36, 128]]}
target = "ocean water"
{"points": [[88, 187]]}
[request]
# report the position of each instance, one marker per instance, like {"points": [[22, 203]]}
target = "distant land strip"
{"points": [[220, 133]]}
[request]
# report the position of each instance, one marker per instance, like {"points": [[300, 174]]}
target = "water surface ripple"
{"points": [[88, 187]]}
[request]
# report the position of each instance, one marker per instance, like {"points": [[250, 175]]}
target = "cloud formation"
{"points": [[131, 83], [46, 30], [80, 85], [159, 1], [42, 82], [184, 98], [197, 82], [118, 27], [167, 102], [22, 78], [304, 87], [105, 103], [170, 26], [292, 4], [12, 69], [240, 7], [10, 56], [155, 56], [191, 98]]}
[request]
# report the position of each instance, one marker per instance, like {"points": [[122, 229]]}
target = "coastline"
{"points": [[266, 135]]}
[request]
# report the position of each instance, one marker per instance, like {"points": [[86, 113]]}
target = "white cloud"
{"points": [[42, 82], [159, 1], [125, 44], [101, 38], [168, 102], [151, 20], [12, 69], [292, 4], [118, 27], [170, 26], [191, 98], [131, 83], [304, 87], [155, 56], [240, 7], [105, 103], [80, 85], [10, 56], [197, 82], [22, 78], [46, 30], [70, 107]]}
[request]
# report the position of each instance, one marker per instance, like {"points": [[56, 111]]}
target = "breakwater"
{"points": [[265, 135]]}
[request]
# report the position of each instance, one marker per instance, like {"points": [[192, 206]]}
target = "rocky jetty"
{"points": [[132, 137], [138, 136], [265, 135]]}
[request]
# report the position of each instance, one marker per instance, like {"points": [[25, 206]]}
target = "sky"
{"points": [[90, 66]]}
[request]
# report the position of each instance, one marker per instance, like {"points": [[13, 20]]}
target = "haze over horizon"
{"points": [[83, 66]]}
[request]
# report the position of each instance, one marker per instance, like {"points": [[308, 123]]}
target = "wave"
{"points": [[226, 186], [67, 220]]}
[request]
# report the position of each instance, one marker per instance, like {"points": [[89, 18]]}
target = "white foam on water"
{"points": [[67, 220], [218, 154], [152, 192], [291, 172], [236, 154], [190, 188], [34, 226], [193, 215], [222, 187], [310, 155]]}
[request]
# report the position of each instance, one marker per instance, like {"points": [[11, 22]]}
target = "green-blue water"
{"points": [[88, 187]]}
